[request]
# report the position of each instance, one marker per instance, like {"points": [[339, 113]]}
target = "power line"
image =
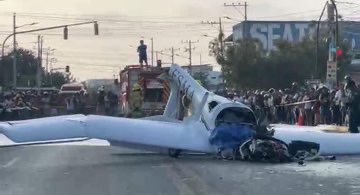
{"points": [[289, 14], [346, 2], [139, 21], [108, 19], [88, 64], [189, 50], [235, 5], [354, 11], [95, 15], [240, 12]]}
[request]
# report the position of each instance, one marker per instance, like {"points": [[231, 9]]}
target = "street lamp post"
{"points": [[14, 54], [48, 52], [152, 51], [37, 30], [14, 49], [317, 40]]}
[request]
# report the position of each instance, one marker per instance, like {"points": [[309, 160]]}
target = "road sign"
{"points": [[313, 81], [331, 73]]}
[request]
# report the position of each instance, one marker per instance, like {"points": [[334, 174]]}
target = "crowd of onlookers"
{"points": [[24, 105], [310, 105], [33, 104], [107, 103]]}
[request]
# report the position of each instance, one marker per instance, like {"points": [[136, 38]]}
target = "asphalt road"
{"points": [[95, 169]]}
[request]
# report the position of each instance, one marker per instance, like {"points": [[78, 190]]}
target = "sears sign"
{"points": [[269, 31]]}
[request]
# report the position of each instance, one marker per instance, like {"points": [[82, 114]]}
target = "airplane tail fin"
{"points": [[183, 89]]}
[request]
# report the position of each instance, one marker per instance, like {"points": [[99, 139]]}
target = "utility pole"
{"points": [[47, 61], [331, 73], [221, 34], [14, 53], [96, 29], [48, 52], [189, 49], [245, 5], [39, 63], [172, 55], [234, 5], [200, 59], [52, 60], [317, 40], [152, 51]]}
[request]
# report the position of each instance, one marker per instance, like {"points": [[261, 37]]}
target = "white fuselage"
{"points": [[166, 132]]}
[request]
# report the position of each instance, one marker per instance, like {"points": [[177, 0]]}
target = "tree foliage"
{"points": [[245, 65], [56, 79], [27, 65]]}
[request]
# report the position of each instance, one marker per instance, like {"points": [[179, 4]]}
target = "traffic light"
{"points": [[339, 57], [67, 69], [66, 33], [339, 53], [96, 28]]}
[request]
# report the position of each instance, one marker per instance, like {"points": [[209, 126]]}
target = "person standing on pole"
{"points": [[142, 53]]}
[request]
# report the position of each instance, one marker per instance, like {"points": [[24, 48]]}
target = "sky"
{"points": [[124, 22]]}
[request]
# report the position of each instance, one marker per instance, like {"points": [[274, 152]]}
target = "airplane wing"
{"points": [[44, 129], [331, 143], [177, 135]]}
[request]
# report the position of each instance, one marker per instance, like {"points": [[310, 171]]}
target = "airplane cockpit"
{"points": [[235, 115]]}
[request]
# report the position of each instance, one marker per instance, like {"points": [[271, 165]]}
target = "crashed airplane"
{"points": [[166, 133]]}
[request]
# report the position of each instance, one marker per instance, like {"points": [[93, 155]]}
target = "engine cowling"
{"points": [[220, 110]]}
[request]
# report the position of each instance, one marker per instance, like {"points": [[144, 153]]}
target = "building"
{"points": [[215, 81], [214, 78], [267, 32], [203, 68]]}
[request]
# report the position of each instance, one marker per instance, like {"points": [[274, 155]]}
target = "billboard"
{"points": [[267, 32]]}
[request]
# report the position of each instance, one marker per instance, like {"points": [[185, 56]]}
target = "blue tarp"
{"points": [[230, 136]]}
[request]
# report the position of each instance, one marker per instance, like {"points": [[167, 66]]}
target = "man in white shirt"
{"points": [[340, 103], [338, 96], [8, 102]]}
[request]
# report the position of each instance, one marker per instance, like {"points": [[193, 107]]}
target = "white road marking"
{"points": [[10, 163]]}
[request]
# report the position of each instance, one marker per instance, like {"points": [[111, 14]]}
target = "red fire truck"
{"points": [[155, 92]]}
